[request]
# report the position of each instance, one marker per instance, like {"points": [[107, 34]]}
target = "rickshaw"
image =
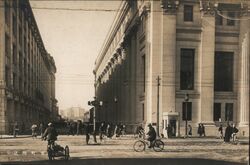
{"points": [[55, 150]]}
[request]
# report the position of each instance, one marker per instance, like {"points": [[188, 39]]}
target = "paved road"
{"points": [[120, 151]]}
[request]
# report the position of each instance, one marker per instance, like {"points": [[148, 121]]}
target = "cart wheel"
{"points": [[66, 152], [50, 154]]}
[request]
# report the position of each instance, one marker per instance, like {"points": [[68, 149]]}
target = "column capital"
{"points": [[170, 6], [208, 8], [143, 11]]}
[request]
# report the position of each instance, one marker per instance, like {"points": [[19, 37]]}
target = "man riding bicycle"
{"points": [[151, 135]]}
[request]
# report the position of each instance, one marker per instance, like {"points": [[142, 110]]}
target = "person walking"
{"points": [[15, 129], [189, 130], [41, 128], [101, 131], [33, 131], [199, 130], [234, 133], [228, 133], [87, 132], [203, 133], [220, 131]]}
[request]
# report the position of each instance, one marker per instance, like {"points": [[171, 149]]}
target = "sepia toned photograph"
{"points": [[119, 82]]}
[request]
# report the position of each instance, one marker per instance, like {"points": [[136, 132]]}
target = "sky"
{"points": [[74, 38]]}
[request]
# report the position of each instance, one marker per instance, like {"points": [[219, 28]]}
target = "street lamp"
{"points": [[186, 109]]}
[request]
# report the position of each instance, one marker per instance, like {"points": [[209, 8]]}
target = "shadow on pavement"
{"points": [[126, 161]]}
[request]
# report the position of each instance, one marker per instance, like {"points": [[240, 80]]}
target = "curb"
{"points": [[23, 153]]}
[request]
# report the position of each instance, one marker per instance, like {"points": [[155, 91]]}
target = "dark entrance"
{"points": [[172, 123]]}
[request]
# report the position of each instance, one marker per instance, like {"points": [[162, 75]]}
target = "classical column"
{"points": [[244, 71], [168, 57], [206, 63]]}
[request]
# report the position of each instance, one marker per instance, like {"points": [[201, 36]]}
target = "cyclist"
{"points": [[50, 134], [151, 135]]}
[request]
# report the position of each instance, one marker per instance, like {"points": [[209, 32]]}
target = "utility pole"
{"points": [[158, 105], [94, 117]]}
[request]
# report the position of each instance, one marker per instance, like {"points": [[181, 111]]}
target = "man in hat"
{"points": [[151, 135], [50, 134]]}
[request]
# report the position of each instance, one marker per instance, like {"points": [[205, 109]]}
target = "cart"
{"points": [[55, 150]]}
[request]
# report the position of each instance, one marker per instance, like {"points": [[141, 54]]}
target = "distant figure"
{"points": [[234, 133], [169, 131], [87, 132], [15, 129], [203, 130], [101, 131], [123, 129], [228, 133], [220, 131], [189, 130], [33, 131], [78, 126], [108, 131], [41, 128], [23, 128], [199, 130]]}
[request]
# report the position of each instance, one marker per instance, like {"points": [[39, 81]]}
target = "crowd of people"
{"points": [[110, 130]]}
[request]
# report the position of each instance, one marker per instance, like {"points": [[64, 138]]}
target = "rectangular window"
{"points": [[229, 112], [223, 76], [230, 20], [187, 69], [188, 13], [144, 72], [217, 111], [218, 19], [187, 111]]}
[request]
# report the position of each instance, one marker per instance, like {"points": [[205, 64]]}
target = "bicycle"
{"points": [[140, 145]]}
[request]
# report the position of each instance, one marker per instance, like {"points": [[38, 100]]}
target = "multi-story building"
{"points": [[27, 71], [158, 52], [73, 113]]}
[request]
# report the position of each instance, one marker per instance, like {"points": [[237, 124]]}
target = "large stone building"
{"points": [[200, 48], [27, 71]]}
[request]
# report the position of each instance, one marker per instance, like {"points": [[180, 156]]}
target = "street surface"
{"points": [[25, 150]]}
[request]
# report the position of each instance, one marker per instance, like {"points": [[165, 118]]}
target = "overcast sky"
{"points": [[74, 38]]}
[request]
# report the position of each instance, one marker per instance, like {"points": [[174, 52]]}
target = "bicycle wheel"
{"points": [[139, 146], [158, 145]]}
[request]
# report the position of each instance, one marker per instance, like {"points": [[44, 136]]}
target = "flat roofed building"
{"points": [[199, 48], [27, 70]]}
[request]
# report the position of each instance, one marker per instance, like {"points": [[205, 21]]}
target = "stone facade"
{"points": [[27, 71], [151, 39]]}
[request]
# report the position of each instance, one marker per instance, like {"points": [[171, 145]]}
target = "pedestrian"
{"points": [[228, 133], [169, 131], [199, 130], [33, 131], [42, 129], [189, 130], [78, 125], [68, 128], [15, 129], [203, 133], [87, 132], [123, 129], [108, 131], [234, 133], [101, 131], [115, 131], [220, 131]]}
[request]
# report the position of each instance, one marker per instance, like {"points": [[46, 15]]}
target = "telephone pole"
{"points": [[158, 106]]}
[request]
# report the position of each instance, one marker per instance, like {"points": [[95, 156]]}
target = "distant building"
{"points": [[27, 70], [73, 113], [200, 48]]}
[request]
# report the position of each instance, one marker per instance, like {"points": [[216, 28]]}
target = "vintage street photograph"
{"points": [[124, 82]]}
